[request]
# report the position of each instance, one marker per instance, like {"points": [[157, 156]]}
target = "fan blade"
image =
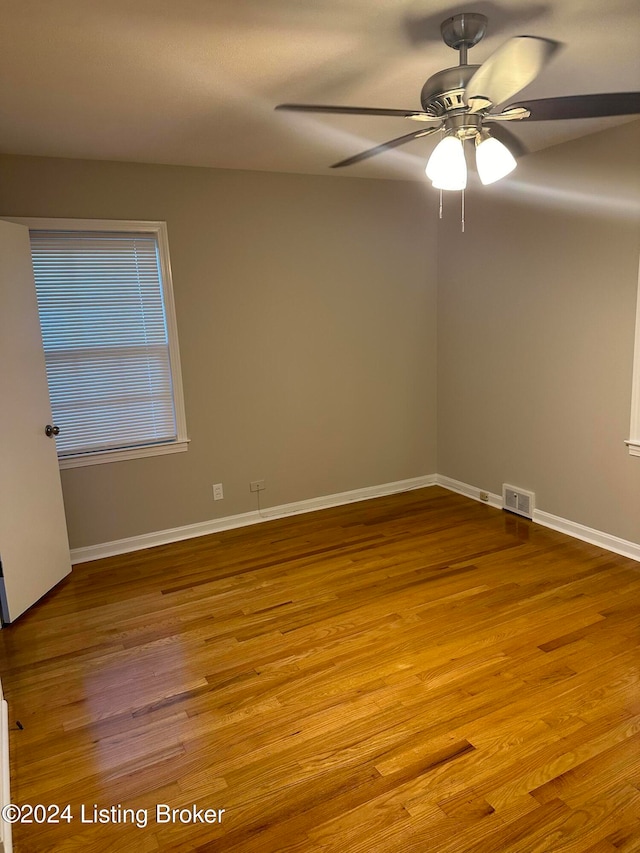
{"points": [[517, 148], [379, 149], [510, 68], [582, 106], [477, 103], [419, 115], [510, 114]]}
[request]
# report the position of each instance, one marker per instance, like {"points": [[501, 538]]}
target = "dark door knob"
{"points": [[51, 430]]}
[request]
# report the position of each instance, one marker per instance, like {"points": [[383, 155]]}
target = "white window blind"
{"points": [[104, 329]]}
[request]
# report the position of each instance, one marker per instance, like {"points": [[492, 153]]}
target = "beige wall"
{"points": [[536, 312], [306, 318], [307, 321]]}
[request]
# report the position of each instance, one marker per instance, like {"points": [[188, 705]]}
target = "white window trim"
{"points": [[160, 230], [634, 441], [101, 456]]}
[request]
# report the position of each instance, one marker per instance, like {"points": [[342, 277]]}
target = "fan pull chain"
{"points": [[462, 213], [440, 204]]}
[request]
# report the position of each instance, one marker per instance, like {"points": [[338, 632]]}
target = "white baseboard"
{"points": [[555, 522], [161, 537], [230, 522], [469, 491], [588, 534]]}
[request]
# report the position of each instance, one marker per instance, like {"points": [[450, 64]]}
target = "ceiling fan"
{"points": [[460, 102]]}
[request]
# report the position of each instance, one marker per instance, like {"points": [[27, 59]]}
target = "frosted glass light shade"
{"points": [[493, 159], [447, 168]]}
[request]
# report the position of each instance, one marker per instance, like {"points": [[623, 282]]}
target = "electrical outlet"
{"points": [[218, 494], [257, 486]]}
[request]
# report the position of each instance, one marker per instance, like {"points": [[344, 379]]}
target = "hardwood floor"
{"points": [[417, 673]]}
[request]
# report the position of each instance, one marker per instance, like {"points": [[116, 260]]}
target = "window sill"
{"points": [[121, 455], [634, 447]]}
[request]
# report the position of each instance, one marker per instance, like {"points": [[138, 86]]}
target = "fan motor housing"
{"points": [[443, 92], [463, 126]]}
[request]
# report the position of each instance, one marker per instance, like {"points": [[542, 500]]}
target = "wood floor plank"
{"points": [[417, 672]]}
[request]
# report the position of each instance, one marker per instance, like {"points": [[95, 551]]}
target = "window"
{"points": [[107, 317], [634, 441]]}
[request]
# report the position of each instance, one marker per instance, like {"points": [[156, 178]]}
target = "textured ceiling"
{"points": [[195, 81]]}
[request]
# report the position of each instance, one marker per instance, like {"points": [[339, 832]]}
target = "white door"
{"points": [[34, 549]]}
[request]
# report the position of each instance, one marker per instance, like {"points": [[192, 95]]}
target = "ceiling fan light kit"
{"points": [[460, 101], [447, 167], [494, 161]]}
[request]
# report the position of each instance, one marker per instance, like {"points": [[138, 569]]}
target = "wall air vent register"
{"points": [[517, 500]]}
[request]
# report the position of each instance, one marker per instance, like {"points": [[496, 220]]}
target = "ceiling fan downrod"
{"points": [[443, 92]]}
